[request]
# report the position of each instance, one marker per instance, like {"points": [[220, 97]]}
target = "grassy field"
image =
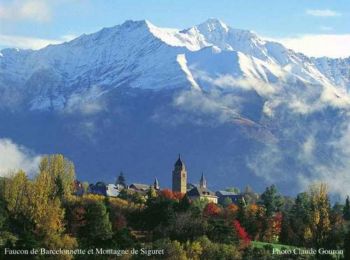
{"points": [[259, 244]]}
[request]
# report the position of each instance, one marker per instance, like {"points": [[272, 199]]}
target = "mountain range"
{"points": [[244, 110]]}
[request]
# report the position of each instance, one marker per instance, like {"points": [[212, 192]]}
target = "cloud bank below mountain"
{"points": [[14, 157]]}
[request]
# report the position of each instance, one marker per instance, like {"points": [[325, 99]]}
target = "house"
{"points": [[190, 186], [99, 188], [235, 198], [202, 192], [139, 187], [112, 190]]}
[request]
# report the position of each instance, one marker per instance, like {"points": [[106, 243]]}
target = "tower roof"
{"points": [[202, 177], [203, 181], [156, 180], [179, 162], [156, 183]]}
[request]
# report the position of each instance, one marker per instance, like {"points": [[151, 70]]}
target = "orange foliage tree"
{"points": [[211, 209]]}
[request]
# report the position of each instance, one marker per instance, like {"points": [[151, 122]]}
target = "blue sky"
{"points": [[297, 23]]}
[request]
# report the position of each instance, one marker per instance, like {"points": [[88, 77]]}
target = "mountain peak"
{"points": [[213, 24], [137, 23]]}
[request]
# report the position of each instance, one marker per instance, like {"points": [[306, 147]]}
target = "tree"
{"points": [[85, 185], [16, 191], [242, 234], [232, 209], [123, 194], [7, 238], [320, 214], [167, 194], [227, 201], [347, 246], [346, 210], [194, 250], [271, 200], [37, 213], [173, 250], [211, 209], [233, 189], [97, 230], [151, 194], [184, 203], [61, 175], [273, 230], [200, 204], [218, 251]]}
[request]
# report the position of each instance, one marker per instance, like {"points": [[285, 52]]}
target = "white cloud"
{"points": [[14, 157], [68, 37], [35, 10], [88, 103], [332, 170], [322, 13], [22, 42], [318, 45], [211, 105]]}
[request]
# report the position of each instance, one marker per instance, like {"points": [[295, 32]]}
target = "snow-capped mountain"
{"points": [[242, 109], [138, 54]]}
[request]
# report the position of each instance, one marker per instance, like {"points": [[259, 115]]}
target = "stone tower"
{"points": [[179, 176]]}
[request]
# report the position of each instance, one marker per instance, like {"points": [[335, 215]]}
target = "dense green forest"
{"points": [[43, 213]]}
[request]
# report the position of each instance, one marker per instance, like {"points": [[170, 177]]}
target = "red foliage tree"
{"points": [[178, 195], [171, 195], [211, 209], [277, 225], [242, 234], [168, 194]]}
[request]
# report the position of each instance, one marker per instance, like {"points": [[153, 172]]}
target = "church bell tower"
{"points": [[179, 176]]}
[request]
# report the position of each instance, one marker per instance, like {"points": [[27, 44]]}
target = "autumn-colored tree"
{"points": [[32, 202], [16, 194], [211, 209], [231, 210], [273, 230], [151, 193], [254, 220], [167, 194], [178, 195], [320, 214], [60, 173], [242, 234], [193, 250]]}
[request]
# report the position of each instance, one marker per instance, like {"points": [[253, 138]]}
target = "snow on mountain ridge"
{"points": [[139, 54]]}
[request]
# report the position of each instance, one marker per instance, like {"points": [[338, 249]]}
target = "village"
{"points": [[179, 185]]}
